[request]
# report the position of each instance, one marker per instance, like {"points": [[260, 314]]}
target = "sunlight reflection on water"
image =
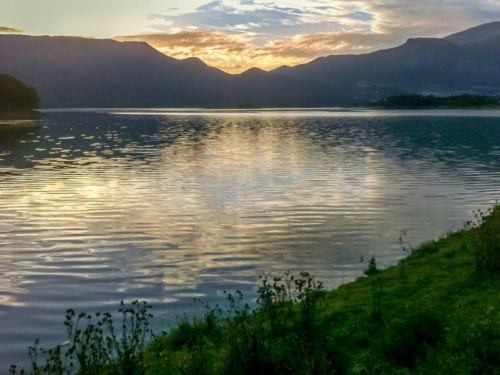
{"points": [[97, 207]]}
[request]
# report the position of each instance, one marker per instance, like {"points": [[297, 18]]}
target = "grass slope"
{"points": [[429, 314], [433, 313]]}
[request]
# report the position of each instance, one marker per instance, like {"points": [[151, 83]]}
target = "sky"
{"points": [[234, 35]]}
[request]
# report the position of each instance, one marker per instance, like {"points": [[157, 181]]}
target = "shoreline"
{"points": [[20, 115], [424, 315]]}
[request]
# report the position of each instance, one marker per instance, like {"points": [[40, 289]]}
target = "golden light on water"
{"points": [[95, 208], [80, 214]]}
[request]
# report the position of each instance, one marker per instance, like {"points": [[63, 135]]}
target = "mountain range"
{"points": [[81, 72]]}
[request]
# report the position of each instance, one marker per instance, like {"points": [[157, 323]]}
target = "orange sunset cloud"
{"points": [[235, 53]]}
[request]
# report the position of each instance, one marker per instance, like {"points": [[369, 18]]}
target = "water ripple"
{"points": [[97, 207]]}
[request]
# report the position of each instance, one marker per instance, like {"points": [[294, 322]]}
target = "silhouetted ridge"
{"points": [[79, 72], [426, 42], [194, 61], [254, 72], [476, 34], [282, 70]]}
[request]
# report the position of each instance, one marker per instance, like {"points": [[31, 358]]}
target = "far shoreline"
{"points": [[20, 115], [288, 112]]}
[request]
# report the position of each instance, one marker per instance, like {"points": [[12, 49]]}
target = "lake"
{"points": [[98, 206]]}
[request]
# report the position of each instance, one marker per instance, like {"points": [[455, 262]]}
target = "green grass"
{"points": [[436, 312]]}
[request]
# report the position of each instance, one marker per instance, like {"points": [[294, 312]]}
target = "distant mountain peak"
{"points": [[253, 72], [80, 72], [476, 34], [283, 69], [426, 42], [194, 61]]}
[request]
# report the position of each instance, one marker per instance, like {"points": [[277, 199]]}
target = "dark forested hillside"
{"points": [[15, 96]]}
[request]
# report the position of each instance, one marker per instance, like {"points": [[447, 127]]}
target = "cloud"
{"points": [[265, 20], [235, 53], [322, 44], [235, 35], [225, 51], [408, 18], [288, 18], [4, 29]]}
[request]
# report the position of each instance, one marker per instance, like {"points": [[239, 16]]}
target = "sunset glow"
{"points": [[234, 35]]}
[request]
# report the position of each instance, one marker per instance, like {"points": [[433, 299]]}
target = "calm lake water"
{"points": [[168, 206]]}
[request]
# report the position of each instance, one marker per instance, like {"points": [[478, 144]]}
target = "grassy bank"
{"points": [[436, 312]]}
